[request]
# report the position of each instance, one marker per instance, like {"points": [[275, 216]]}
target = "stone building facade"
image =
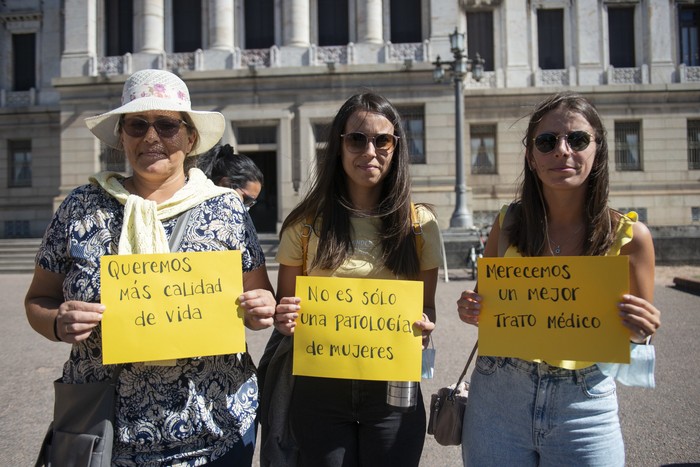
{"points": [[279, 70]]}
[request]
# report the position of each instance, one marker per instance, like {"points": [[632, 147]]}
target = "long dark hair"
{"points": [[221, 162], [529, 231], [329, 207]]}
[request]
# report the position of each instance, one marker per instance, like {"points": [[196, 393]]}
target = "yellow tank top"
{"points": [[623, 235]]}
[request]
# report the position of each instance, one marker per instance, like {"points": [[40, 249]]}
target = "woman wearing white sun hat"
{"points": [[189, 411]]}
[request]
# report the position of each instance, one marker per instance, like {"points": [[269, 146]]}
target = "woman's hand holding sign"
{"points": [[425, 326], [259, 305], [469, 307], [640, 316], [286, 315]]}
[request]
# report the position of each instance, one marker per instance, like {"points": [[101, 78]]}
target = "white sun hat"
{"points": [[148, 90]]}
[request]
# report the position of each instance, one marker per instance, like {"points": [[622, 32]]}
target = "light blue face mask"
{"points": [[639, 372]]}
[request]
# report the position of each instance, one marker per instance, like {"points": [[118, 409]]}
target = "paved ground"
{"points": [[661, 426]]}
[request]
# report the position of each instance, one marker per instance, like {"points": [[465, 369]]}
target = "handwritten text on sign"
{"points": [[554, 308], [173, 305], [358, 329]]}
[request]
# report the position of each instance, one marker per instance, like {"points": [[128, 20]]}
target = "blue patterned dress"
{"points": [[187, 414]]}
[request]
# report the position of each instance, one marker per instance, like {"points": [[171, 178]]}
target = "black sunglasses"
{"points": [[577, 140], [165, 127], [249, 201], [357, 142]]}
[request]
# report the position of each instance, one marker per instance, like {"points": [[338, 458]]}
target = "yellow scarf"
{"points": [[142, 230]]}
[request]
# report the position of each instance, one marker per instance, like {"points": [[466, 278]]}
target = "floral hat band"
{"points": [[148, 90]]}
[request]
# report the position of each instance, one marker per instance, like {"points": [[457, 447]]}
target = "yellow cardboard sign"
{"points": [[173, 305], [554, 308], [358, 329]]}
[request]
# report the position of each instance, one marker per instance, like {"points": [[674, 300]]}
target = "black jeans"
{"points": [[347, 423]]}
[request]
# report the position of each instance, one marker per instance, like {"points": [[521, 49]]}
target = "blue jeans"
{"points": [[532, 414], [347, 423]]}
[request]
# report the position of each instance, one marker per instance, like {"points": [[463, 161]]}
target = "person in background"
{"points": [[530, 413], [359, 207], [192, 411], [236, 171]]}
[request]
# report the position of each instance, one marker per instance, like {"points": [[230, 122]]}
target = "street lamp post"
{"points": [[459, 67]]}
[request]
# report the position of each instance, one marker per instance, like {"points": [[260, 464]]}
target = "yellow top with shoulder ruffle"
{"points": [[623, 235]]}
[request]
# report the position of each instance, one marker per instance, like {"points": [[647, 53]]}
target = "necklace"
{"points": [[557, 246]]}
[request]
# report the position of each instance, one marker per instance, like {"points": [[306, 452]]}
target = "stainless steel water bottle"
{"points": [[402, 395]]}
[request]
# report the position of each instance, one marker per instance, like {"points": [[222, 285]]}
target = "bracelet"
{"points": [[55, 328]]}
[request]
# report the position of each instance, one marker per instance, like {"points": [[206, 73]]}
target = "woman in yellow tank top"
{"points": [[534, 413]]}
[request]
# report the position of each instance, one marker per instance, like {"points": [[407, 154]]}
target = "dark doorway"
{"points": [[264, 213]]}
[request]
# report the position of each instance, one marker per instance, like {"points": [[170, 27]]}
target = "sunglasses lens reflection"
{"points": [[357, 142], [165, 127], [577, 140], [385, 142]]}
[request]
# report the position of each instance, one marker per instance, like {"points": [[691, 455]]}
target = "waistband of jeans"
{"points": [[544, 368]]}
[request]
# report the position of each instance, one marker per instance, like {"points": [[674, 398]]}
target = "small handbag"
{"points": [[82, 431], [447, 409]]}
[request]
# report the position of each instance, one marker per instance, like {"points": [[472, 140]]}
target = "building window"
{"points": [[405, 21], [413, 119], [483, 149], [23, 62], [621, 34], [550, 39], [119, 21], [695, 214], [689, 26], [187, 26], [333, 22], [259, 24], [320, 131], [256, 135], [20, 164], [480, 37], [694, 144], [628, 154]]}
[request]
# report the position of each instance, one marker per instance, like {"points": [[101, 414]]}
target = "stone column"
{"points": [[80, 37], [152, 31], [586, 35], [295, 26], [369, 21], [660, 27], [221, 31], [515, 45]]}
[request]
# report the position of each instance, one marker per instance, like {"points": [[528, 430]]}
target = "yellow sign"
{"points": [[554, 308], [358, 329], [173, 305]]}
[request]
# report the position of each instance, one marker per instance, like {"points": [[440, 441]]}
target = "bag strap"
{"points": [[306, 229], [466, 367], [179, 230]]}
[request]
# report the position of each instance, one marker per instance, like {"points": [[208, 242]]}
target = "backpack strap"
{"points": [[417, 230], [307, 228]]}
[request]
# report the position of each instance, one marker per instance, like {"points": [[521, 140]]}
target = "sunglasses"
{"points": [[165, 127], [577, 140], [248, 201], [357, 142]]}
